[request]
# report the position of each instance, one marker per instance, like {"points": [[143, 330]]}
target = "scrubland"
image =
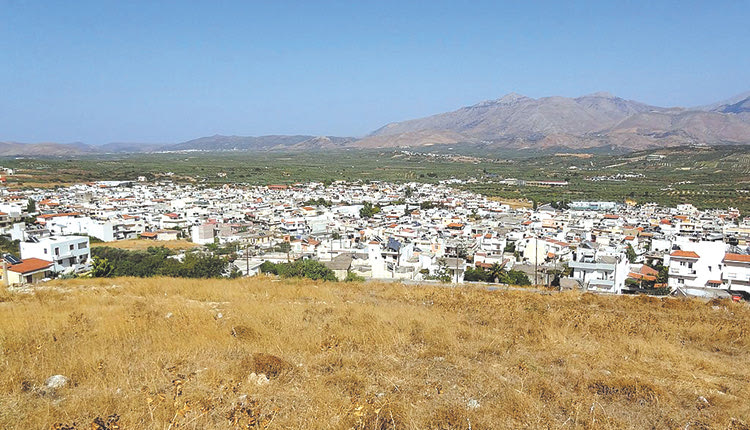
{"points": [[164, 353]]}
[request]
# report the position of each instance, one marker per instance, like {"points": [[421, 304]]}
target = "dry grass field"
{"points": [[144, 244], [194, 354]]}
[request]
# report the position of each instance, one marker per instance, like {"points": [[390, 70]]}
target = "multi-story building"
{"points": [[65, 252], [696, 266], [736, 273]]}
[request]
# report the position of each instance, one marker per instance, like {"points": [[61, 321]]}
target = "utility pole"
{"points": [[536, 260], [457, 256]]}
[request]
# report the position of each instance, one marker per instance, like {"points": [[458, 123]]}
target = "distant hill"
{"points": [[728, 105], [591, 121], [129, 147], [259, 143], [45, 149], [596, 122], [738, 106]]}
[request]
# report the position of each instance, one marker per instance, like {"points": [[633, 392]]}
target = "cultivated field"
{"points": [[167, 353], [715, 177]]}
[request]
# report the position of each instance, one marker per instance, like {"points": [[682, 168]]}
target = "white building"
{"points": [[599, 272], [696, 265], [65, 252], [736, 274]]}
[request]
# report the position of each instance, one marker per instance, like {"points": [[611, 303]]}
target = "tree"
{"points": [[368, 210], [284, 247], [630, 253], [496, 271], [269, 267], [353, 277], [31, 206], [101, 268]]}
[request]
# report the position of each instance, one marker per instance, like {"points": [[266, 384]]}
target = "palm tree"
{"points": [[496, 271]]}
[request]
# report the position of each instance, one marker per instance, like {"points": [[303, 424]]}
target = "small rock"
{"points": [[259, 379], [56, 381], [703, 399], [219, 315], [473, 404], [168, 315]]}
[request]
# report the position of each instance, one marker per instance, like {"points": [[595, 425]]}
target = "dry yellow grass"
{"points": [[166, 353], [513, 203], [143, 244]]}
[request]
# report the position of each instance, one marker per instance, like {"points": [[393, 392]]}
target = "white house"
{"points": [[599, 272], [696, 265], [736, 274], [65, 252]]}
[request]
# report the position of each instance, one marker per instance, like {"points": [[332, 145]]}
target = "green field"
{"points": [[706, 177]]}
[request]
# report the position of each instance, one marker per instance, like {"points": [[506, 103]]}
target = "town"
{"points": [[409, 232]]}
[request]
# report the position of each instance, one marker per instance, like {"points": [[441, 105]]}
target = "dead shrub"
{"points": [[268, 364], [626, 389], [246, 333]]}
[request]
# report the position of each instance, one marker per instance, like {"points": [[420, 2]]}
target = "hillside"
{"points": [[591, 121], [45, 149], [260, 143], [170, 353], [599, 121]]}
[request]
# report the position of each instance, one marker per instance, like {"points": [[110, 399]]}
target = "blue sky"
{"points": [[168, 71]]}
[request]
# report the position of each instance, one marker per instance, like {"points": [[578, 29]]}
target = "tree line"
{"points": [[157, 261]]}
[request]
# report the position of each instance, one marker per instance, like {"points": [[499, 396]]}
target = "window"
{"points": [[82, 245], [45, 250], [57, 251], [72, 247], [680, 281]]}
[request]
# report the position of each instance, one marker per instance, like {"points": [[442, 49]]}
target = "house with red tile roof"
{"points": [[695, 265], [28, 271]]}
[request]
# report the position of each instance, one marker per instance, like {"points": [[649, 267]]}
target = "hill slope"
{"points": [[596, 120], [259, 143], [45, 149], [171, 353]]}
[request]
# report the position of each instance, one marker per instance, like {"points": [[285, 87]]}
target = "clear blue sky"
{"points": [[168, 71]]}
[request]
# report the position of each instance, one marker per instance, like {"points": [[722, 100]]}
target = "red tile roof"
{"points": [[30, 265], [739, 258], [685, 254], [641, 276], [46, 216]]}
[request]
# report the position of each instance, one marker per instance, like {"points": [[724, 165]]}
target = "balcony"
{"points": [[680, 271]]}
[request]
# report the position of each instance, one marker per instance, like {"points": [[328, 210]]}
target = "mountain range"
{"points": [[514, 121]]}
